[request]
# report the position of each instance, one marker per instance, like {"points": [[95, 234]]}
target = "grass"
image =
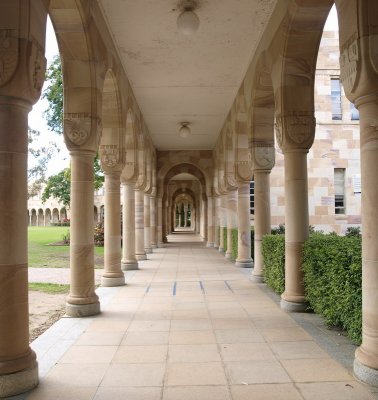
{"points": [[51, 288], [42, 254]]}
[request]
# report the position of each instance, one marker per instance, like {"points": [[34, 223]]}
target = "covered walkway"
{"points": [[188, 325]]}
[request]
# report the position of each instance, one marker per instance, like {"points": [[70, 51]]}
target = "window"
{"points": [[252, 197], [354, 114], [336, 99], [339, 190]]}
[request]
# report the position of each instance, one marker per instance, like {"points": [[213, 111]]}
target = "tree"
{"points": [[54, 95]]}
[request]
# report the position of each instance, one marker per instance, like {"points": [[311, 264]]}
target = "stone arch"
{"points": [[63, 214], [55, 215], [33, 217], [48, 217], [40, 217], [111, 154], [130, 170]]}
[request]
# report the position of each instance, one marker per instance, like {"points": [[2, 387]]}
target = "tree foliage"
{"points": [[54, 95]]}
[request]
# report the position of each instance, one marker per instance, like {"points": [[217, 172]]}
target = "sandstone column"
{"points": [[180, 218], [216, 222], [82, 299], [153, 221], [222, 222], [232, 209], [160, 222], [129, 261], [147, 222], [244, 258], [264, 157], [210, 221], [112, 275], [295, 135], [140, 253]]}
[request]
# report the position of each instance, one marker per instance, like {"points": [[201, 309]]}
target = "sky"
{"points": [[37, 121]]}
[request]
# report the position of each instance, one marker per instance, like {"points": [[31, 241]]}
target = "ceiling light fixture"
{"points": [[188, 21], [185, 129]]}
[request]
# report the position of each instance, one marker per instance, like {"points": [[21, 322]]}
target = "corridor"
{"points": [[188, 325]]}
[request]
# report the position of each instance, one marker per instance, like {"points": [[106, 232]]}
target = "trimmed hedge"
{"points": [[332, 277], [273, 251], [234, 241], [225, 239]]}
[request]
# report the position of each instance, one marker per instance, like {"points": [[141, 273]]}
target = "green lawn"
{"points": [[43, 254], [50, 288]]}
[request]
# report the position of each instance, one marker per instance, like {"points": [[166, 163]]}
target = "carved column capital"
{"points": [[110, 158], [263, 156], [295, 130]]}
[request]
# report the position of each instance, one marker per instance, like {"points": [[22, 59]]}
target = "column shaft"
{"points": [[140, 253], [82, 299], [147, 224], [232, 206], [153, 222], [129, 261], [210, 222], [244, 258], [112, 275], [296, 232], [18, 366], [366, 362], [160, 222], [216, 222], [262, 219], [222, 222]]}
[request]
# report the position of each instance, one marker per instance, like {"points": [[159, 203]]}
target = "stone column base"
{"points": [[244, 263], [221, 249], [148, 250], [365, 374], [153, 246], [82, 310], [141, 257], [290, 306], [129, 265], [18, 382], [111, 282], [257, 278], [228, 255], [160, 245], [209, 244]]}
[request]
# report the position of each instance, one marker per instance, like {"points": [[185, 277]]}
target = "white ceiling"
{"points": [[177, 78]]}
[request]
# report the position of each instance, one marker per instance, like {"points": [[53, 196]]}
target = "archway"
{"points": [[47, 217], [40, 218]]}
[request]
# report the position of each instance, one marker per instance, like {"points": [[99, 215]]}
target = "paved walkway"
{"points": [[188, 326]]}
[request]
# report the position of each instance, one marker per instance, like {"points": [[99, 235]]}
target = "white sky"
{"points": [[37, 121]]}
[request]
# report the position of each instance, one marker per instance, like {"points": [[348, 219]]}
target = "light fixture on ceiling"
{"points": [[185, 129], [188, 21]]}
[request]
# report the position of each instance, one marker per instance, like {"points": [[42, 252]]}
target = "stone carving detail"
{"points": [[263, 156], [77, 127], [244, 167], [8, 55], [37, 67], [109, 155], [349, 56], [299, 129]]}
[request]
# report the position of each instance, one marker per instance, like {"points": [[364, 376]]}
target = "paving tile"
{"points": [[89, 355], [250, 372], [225, 323], [183, 374], [132, 393], [349, 390], [100, 339], [246, 351], [105, 325], [45, 391], [135, 375], [229, 313], [283, 391], [190, 325], [145, 338], [287, 334], [315, 370], [193, 353], [238, 336], [293, 350], [196, 393], [81, 375], [190, 314], [149, 326], [191, 337], [141, 354]]}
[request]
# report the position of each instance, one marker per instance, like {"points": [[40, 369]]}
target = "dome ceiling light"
{"points": [[185, 129], [188, 21]]}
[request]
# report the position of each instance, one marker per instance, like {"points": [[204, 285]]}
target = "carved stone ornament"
{"points": [[244, 167], [8, 55], [296, 129], [349, 56], [263, 157], [109, 155], [37, 67], [77, 128]]}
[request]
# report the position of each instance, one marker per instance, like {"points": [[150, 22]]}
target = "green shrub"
{"points": [[234, 241], [273, 250], [252, 242], [99, 234], [353, 231], [280, 230], [225, 238], [332, 278]]}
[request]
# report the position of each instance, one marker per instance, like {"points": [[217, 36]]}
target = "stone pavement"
{"points": [[189, 326]]}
